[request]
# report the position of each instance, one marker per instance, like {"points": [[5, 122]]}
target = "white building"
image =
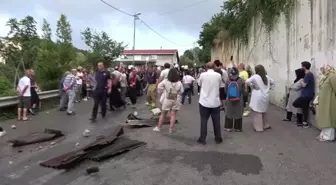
{"points": [[151, 56]]}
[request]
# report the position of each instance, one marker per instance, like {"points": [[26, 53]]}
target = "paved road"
{"points": [[285, 155]]}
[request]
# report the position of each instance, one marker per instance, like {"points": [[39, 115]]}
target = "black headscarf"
{"points": [[299, 74]]}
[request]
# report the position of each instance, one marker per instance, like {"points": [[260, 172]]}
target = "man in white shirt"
{"points": [[123, 84], [24, 96], [209, 103]]}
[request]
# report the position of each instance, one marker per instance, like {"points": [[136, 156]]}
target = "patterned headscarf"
{"points": [[326, 71]]}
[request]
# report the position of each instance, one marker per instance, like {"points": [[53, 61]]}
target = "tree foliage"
{"points": [[22, 48], [197, 55], [102, 46], [236, 18]]}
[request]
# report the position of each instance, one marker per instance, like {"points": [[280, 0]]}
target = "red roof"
{"points": [[150, 51]]}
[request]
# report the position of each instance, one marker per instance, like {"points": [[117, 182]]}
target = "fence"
{"points": [[13, 100]]}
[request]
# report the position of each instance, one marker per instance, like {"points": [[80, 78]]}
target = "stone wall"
{"points": [[309, 35]]}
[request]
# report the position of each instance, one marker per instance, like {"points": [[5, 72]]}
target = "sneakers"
{"points": [[303, 124], [147, 103], [2, 133], [157, 129], [85, 99], [246, 113]]}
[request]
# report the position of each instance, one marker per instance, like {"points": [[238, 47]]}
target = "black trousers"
{"points": [[132, 94], [100, 98], [34, 97], [303, 103], [186, 92], [233, 123], [84, 90], [198, 88], [205, 113], [289, 116]]}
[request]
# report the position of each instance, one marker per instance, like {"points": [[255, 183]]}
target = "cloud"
{"points": [[181, 27]]}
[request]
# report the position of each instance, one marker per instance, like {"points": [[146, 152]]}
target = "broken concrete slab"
{"points": [[38, 137]]}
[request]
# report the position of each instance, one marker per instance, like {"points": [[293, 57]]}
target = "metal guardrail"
{"points": [[13, 100]]}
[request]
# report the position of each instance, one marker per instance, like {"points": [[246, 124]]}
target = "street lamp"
{"points": [[136, 17]]}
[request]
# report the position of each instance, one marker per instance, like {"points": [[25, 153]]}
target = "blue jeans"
{"points": [[186, 92]]}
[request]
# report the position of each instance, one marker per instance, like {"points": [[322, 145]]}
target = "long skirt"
{"points": [[260, 122], [328, 134]]}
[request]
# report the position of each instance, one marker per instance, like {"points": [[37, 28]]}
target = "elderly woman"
{"points": [[326, 109], [294, 93]]}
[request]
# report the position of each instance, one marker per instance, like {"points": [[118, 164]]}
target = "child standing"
{"points": [[235, 102]]}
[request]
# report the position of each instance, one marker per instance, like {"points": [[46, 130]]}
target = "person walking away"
{"points": [[24, 94], [115, 96], [243, 74], [79, 83], [164, 73], [209, 103], [170, 90], [101, 92], [294, 93], [69, 87], [151, 88], [133, 87], [35, 100], [235, 102], [64, 97], [225, 79], [326, 108], [123, 84], [260, 84], [307, 93], [188, 84]]}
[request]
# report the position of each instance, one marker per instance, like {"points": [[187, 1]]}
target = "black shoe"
{"points": [[92, 119], [32, 111], [305, 125], [62, 109], [299, 124], [219, 141], [201, 142], [71, 113]]}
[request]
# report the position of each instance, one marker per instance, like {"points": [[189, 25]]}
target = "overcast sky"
{"points": [[181, 27]]}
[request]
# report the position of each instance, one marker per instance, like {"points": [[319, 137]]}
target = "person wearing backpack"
{"points": [[170, 90], [235, 102]]}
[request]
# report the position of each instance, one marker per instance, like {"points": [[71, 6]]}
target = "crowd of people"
{"points": [[236, 91]]}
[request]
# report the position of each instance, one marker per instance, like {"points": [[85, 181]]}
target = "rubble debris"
{"points": [[38, 137], [138, 122], [120, 146], [87, 133], [92, 170], [70, 159]]}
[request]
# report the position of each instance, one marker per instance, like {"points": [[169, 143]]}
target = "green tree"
{"points": [[101, 46], [64, 40], [184, 60], [46, 35]]}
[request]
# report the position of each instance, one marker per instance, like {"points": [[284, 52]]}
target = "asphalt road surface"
{"points": [[284, 155]]}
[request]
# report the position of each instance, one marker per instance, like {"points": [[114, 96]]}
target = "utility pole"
{"points": [[136, 17]]}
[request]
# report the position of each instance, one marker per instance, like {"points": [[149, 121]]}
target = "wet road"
{"points": [[284, 155]]}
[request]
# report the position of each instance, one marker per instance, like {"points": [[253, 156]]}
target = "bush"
{"points": [[6, 88], [49, 85]]}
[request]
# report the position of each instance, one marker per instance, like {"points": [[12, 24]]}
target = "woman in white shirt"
{"points": [[188, 85], [261, 84]]}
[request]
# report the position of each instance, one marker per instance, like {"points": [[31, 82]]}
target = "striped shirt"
{"points": [[69, 82]]}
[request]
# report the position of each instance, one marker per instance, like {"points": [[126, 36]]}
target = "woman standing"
{"points": [[115, 96], [132, 91], [294, 93], [261, 84], [234, 108], [170, 91], [326, 117]]}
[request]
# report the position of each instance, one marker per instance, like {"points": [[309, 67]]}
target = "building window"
{"points": [[154, 57]]}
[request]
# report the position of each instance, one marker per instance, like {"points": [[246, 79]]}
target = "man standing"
{"points": [[24, 96], [151, 87], [244, 75], [123, 84], [35, 100], [225, 78], [103, 88], [209, 103], [69, 87], [79, 80], [307, 93]]}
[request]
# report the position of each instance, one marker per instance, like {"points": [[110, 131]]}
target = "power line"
{"points": [[184, 7], [163, 36], [116, 8]]}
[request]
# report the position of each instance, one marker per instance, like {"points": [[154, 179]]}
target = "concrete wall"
{"points": [[310, 35]]}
